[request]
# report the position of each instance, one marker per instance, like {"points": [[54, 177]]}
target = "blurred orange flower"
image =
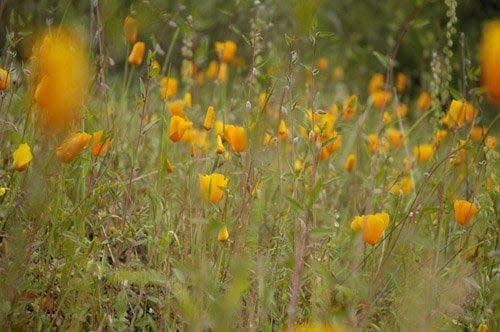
{"points": [[130, 28], [212, 186], [226, 50], [424, 101], [137, 54], [72, 146], [98, 148], [236, 137], [168, 88], [178, 127], [490, 59], [464, 211], [423, 152]]}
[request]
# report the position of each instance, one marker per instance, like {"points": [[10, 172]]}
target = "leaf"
{"points": [[295, 204], [455, 93], [383, 59]]}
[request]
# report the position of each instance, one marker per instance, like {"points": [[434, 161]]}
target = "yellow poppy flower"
{"points": [[464, 211], [459, 113], [374, 227], [22, 157], [350, 162], [400, 82], [176, 107], [209, 118], [477, 133], [223, 235], [236, 137], [322, 63], [395, 137], [423, 152], [168, 88], [72, 146], [226, 50], [282, 131], [212, 186], [178, 127], [424, 101], [130, 28], [4, 79], [99, 148], [219, 149], [490, 59], [381, 98], [222, 73], [349, 108], [376, 83], [137, 54], [297, 165]]}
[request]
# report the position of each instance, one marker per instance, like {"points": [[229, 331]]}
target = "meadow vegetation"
{"points": [[249, 165]]}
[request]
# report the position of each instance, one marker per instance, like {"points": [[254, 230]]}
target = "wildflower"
{"points": [[223, 235], [423, 152], [219, 146], [424, 101], [297, 165], [226, 50], [459, 113], [490, 142], [98, 148], [22, 157], [464, 211], [404, 186], [212, 69], [490, 59], [72, 146], [477, 133], [168, 88], [322, 63], [3, 190], [376, 83], [400, 110], [212, 186], [400, 82], [222, 73], [178, 127], [209, 118], [386, 117], [176, 107], [482, 328], [130, 28], [374, 227], [338, 73], [381, 98], [460, 156], [137, 54], [357, 223], [350, 162], [61, 77], [188, 99], [282, 131], [236, 137], [4, 79], [266, 139], [373, 143], [262, 99], [219, 128], [349, 108], [395, 137], [440, 136]]}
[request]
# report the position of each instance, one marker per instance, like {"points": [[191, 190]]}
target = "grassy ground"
{"points": [[348, 200]]}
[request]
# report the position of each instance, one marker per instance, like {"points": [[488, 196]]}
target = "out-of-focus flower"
{"points": [[61, 76], [482, 328], [400, 110], [477, 133], [386, 117], [404, 186], [130, 28], [464, 211], [137, 54], [459, 113], [400, 82], [459, 158], [338, 73], [177, 128], [222, 73], [349, 108], [376, 83], [3, 190], [212, 69], [219, 149], [188, 99], [373, 143], [381, 98], [266, 139], [176, 107], [168, 88], [490, 59], [226, 50], [282, 131], [219, 128], [424, 101], [322, 63], [236, 137], [4, 79], [262, 99], [440, 136], [223, 235], [395, 137], [297, 165], [22, 157], [372, 225], [209, 118], [99, 148], [350, 162], [212, 186], [72, 146], [423, 152], [490, 142]]}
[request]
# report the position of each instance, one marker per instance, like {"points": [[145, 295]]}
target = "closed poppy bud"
{"points": [[137, 54], [4, 79], [464, 211], [297, 165], [423, 152], [223, 235], [220, 147], [178, 127], [212, 186], [130, 28], [395, 137], [374, 227], [381, 98], [209, 118], [490, 59], [168, 88], [350, 162], [400, 82], [226, 50], [72, 146], [99, 148], [282, 131], [236, 137], [22, 157], [222, 73], [424, 101]]}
